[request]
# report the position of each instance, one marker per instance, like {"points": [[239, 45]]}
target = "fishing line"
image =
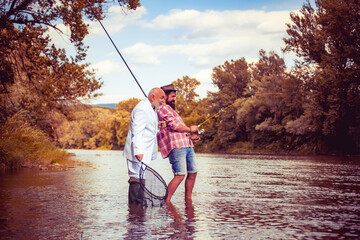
{"points": [[223, 109], [92, 10]]}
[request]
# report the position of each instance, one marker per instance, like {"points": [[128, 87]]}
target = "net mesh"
{"points": [[154, 187]]}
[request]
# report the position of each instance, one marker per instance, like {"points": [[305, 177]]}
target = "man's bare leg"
{"points": [[189, 185], [173, 184]]}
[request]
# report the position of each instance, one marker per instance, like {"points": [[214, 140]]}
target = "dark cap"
{"points": [[168, 88]]}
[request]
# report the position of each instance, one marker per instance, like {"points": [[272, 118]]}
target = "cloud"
{"points": [[116, 20], [108, 67], [221, 24], [61, 39], [197, 54], [109, 98], [209, 38], [204, 76], [145, 54], [181, 42]]}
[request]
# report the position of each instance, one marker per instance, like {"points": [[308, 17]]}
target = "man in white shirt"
{"points": [[141, 143]]}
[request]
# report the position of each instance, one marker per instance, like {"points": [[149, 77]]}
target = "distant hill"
{"points": [[110, 105]]}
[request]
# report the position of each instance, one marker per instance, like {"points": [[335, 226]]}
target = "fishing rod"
{"points": [[92, 10], [200, 131]]}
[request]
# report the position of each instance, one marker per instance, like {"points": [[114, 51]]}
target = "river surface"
{"points": [[235, 197]]}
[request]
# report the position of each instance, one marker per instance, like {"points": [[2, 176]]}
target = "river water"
{"points": [[235, 197]]}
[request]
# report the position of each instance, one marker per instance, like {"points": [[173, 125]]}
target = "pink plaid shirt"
{"points": [[168, 138]]}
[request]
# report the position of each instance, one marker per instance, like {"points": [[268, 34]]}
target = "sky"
{"points": [[164, 40]]}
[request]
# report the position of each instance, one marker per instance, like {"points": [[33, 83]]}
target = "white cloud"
{"points": [[117, 18], [204, 38], [61, 39], [108, 67], [181, 42], [145, 54], [204, 76], [221, 24], [108, 98], [211, 37], [211, 54]]}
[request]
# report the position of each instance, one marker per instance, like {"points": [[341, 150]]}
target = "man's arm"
{"points": [[183, 128], [138, 127], [167, 114]]}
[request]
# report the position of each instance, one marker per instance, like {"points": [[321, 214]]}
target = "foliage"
{"points": [[264, 107], [232, 80], [37, 78], [327, 39], [186, 95], [259, 107], [24, 145], [122, 119], [97, 127]]}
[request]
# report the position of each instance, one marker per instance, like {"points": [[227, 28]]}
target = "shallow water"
{"points": [[235, 197]]}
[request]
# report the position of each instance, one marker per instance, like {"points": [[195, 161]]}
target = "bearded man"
{"points": [[176, 143], [141, 142]]}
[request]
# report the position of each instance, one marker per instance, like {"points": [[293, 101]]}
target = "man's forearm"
{"points": [[182, 128], [185, 129]]}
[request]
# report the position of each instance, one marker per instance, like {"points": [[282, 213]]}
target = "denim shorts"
{"points": [[183, 160]]}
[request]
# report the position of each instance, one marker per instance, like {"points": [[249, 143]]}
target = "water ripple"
{"points": [[235, 197]]}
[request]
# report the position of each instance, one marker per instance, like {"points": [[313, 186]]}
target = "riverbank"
{"points": [[66, 160], [63, 161]]}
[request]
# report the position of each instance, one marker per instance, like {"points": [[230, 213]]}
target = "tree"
{"points": [[327, 41], [127, 105], [232, 79], [35, 76], [122, 119], [186, 95], [268, 74], [39, 81], [261, 113]]}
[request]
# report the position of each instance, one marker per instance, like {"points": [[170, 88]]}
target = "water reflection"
{"points": [[161, 222], [136, 219], [235, 197], [182, 226]]}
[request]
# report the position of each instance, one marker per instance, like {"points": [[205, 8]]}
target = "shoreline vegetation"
{"points": [[311, 108], [24, 145], [48, 156]]}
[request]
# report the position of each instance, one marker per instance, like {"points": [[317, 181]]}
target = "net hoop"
{"points": [[144, 168]]}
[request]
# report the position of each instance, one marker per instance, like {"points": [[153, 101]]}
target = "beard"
{"points": [[157, 105], [171, 104]]}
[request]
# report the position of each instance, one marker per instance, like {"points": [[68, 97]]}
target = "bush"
{"points": [[24, 145]]}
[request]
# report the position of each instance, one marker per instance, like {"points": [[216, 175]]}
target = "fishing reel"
{"points": [[200, 131]]}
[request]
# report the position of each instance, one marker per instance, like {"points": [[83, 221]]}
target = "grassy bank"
{"points": [[23, 145]]}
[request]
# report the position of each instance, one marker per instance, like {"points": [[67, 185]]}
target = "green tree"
{"points": [[121, 121], [127, 105], [261, 113], [90, 128], [35, 75], [327, 41], [186, 95], [97, 127], [38, 80], [232, 79]]}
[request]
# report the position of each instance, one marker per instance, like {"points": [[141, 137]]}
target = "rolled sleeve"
{"points": [[169, 117]]}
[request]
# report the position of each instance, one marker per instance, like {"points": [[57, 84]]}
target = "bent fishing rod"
{"points": [[96, 17], [200, 131]]}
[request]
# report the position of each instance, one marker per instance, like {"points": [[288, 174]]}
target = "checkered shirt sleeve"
{"points": [[168, 138]]}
